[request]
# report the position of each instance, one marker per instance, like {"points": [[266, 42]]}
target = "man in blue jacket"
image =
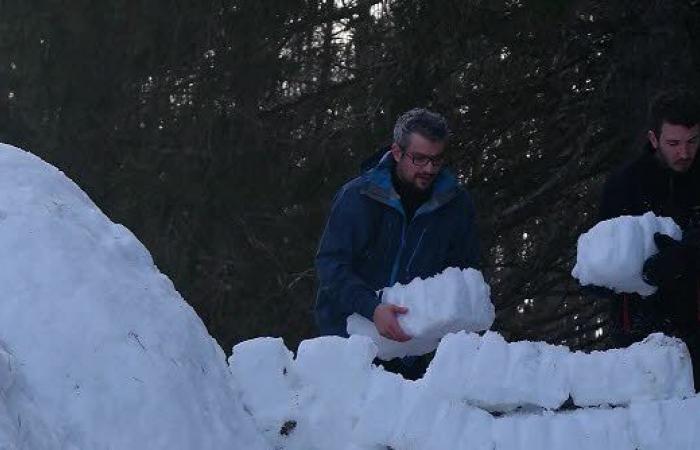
{"points": [[405, 217]]}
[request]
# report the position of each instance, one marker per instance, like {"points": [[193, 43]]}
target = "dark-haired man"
{"points": [[665, 180], [403, 218]]}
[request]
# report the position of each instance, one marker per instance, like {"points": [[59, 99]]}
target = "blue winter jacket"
{"points": [[367, 243]]}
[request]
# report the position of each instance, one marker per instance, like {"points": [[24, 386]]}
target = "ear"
{"points": [[653, 140], [396, 152]]}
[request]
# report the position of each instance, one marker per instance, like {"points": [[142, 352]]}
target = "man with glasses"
{"points": [[404, 217]]}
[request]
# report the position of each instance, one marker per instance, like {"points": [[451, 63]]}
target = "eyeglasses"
{"points": [[421, 160]]}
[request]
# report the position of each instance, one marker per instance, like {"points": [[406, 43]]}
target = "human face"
{"points": [[420, 177], [676, 145]]}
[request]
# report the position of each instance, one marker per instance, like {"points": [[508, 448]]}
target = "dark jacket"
{"points": [[640, 186], [368, 244]]}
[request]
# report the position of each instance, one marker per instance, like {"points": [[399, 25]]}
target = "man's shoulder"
{"points": [[630, 168]]}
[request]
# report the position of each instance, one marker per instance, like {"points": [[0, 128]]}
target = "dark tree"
{"points": [[219, 131]]}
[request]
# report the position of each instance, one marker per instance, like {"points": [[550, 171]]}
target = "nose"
{"points": [[685, 150], [432, 166]]}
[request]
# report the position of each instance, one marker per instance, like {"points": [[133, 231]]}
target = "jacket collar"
{"points": [[378, 186]]}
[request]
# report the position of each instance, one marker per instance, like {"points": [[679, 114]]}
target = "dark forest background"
{"points": [[218, 131]]}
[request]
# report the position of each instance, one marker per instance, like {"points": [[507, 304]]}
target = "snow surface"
{"points": [[489, 372], [344, 402], [612, 253], [97, 349], [450, 301]]}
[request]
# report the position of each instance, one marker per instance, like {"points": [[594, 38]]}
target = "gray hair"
{"points": [[428, 124]]}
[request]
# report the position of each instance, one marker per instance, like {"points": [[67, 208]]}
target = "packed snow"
{"points": [[97, 349], [342, 401], [488, 372], [612, 253], [450, 301]]}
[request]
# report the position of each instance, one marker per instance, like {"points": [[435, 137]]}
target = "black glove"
{"points": [[672, 267]]}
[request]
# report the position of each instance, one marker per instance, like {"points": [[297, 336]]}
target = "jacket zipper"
{"points": [[397, 261], [415, 250]]}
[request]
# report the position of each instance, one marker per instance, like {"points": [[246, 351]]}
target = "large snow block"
{"points": [[103, 344], [381, 408], [263, 375], [612, 253], [451, 301], [334, 374], [585, 429], [666, 425], [658, 368], [499, 376]]}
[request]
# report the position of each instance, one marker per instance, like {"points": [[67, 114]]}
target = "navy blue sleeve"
{"points": [[347, 230]]}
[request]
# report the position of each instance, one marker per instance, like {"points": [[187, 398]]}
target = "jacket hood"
{"points": [[379, 186]]}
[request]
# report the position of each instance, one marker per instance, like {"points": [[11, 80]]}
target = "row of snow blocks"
{"points": [[498, 376], [332, 397], [612, 253], [454, 300]]}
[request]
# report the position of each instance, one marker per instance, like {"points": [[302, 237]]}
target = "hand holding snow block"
{"points": [[657, 368], [490, 373], [612, 253], [387, 348], [453, 300]]}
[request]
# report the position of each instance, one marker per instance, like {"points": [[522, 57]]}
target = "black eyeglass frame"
{"points": [[437, 161]]}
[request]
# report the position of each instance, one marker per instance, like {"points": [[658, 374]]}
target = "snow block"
{"points": [[334, 373], [585, 429], [612, 253], [499, 376], [451, 301], [665, 425], [381, 408], [658, 368], [262, 373]]}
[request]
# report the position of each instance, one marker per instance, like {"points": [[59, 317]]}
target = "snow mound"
{"points": [[344, 402], [451, 301], [612, 253], [97, 349]]}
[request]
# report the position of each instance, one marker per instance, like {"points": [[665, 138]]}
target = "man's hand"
{"points": [[387, 325], [671, 265]]}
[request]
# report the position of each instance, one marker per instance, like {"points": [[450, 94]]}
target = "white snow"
{"points": [[488, 372], [97, 349], [612, 253], [658, 368], [451, 301], [347, 403]]}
